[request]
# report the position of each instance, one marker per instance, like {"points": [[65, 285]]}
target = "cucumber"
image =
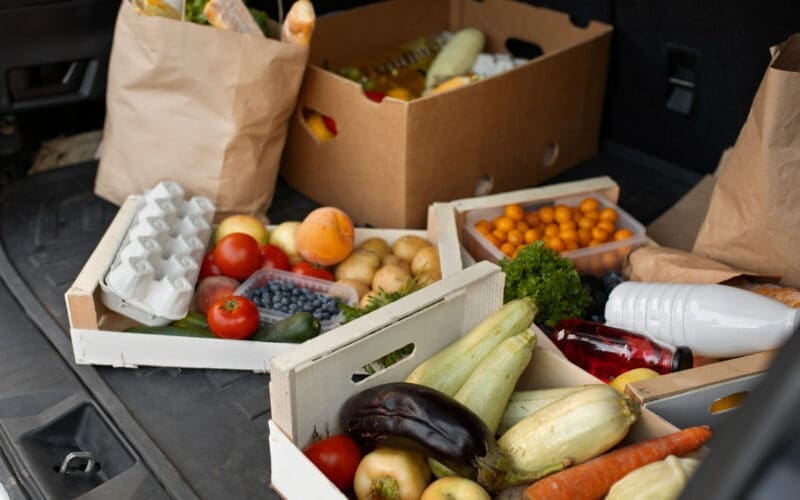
{"points": [[179, 331], [295, 329], [193, 319]]}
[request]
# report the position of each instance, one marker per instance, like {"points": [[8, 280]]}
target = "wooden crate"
{"points": [[309, 384], [97, 332]]}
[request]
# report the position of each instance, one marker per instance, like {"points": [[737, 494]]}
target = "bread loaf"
{"points": [[787, 295], [231, 15], [156, 8], [299, 24]]}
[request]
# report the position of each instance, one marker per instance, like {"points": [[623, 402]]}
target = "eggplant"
{"points": [[414, 416]]}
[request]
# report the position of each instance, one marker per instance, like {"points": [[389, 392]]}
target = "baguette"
{"points": [[158, 8], [299, 24], [787, 295], [231, 15]]}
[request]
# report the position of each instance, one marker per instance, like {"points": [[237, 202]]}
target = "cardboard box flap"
{"points": [[502, 19], [321, 370]]}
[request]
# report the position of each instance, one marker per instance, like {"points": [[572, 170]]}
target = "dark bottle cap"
{"points": [[682, 359]]}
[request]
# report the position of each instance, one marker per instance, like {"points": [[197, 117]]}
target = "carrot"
{"points": [[593, 479]]}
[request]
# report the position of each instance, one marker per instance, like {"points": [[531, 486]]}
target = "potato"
{"points": [[426, 260], [364, 301], [426, 278], [376, 245], [356, 285], [406, 246], [391, 278], [394, 259], [360, 265]]}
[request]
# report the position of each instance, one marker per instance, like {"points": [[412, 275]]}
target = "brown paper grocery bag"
{"points": [[206, 107], [753, 221]]}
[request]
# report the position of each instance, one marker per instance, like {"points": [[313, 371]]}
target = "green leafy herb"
{"points": [[550, 279], [373, 303]]}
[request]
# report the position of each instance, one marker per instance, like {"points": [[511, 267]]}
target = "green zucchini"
{"points": [[524, 403], [448, 369], [487, 390], [295, 329]]}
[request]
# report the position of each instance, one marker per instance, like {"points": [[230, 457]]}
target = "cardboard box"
{"points": [[97, 333], [309, 384], [390, 160]]}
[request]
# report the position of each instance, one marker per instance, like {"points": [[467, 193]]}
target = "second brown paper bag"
{"points": [[206, 107], [753, 221]]}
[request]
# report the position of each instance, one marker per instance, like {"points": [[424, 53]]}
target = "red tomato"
{"points": [[374, 95], [235, 317], [309, 269], [272, 257], [337, 457], [209, 267], [330, 124], [237, 255]]}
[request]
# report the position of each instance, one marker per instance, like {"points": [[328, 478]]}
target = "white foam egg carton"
{"points": [[152, 276]]}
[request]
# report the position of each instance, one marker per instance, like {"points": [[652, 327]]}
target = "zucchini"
{"points": [[664, 480], [295, 329], [570, 431], [524, 403], [456, 57], [448, 369], [487, 390]]}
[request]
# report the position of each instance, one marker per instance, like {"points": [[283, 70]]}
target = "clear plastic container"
{"points": [[594, 260], [345, 294]]}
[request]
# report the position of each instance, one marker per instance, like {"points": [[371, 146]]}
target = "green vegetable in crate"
{"points": [[488, 388], [294, 329], [570, 431], [456, 57], [448, 369], [524, 403], [549, 279], [662, 480]]}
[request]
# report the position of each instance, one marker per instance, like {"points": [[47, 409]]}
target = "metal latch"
{"points": [[681, 77], [78, 463]]}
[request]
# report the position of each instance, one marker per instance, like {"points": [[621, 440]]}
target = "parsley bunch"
{"points": [[550, 279]]}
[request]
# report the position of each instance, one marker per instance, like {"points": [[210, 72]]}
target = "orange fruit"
{"points": [[508, 248], [576, 213], [325, 237], [586, 223], [504, 223], [521, 226], [592, 214], [562, 213], [500, 235], [584, 236], [484, 226], [622, 234], [595, 243], [572, 245], [608, 214], [551, 229], [515, 237], [532, 219], [547, 214], [600, 234], [514, 211], [568, 235], [555, 243], [589, 204], [607, 225], [570, 224], [532, 235], [494, 240]]}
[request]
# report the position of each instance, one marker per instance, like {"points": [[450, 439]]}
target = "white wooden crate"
{"points": [[309, 384], [97, 333]]}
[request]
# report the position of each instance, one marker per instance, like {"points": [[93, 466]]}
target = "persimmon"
{"points": [[326, 236]]}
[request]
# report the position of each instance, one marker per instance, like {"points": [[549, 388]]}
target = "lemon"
{"points": [[629, 376], [317, 126]]}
